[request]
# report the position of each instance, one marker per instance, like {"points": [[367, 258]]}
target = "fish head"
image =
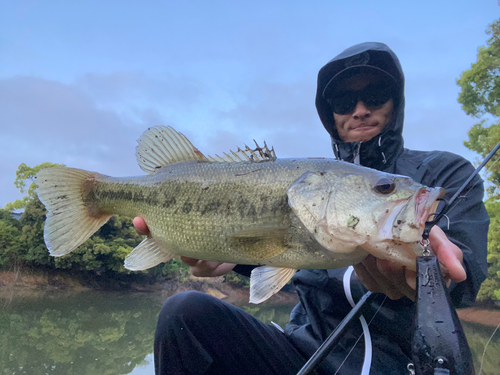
{"points": [[362, 207]]}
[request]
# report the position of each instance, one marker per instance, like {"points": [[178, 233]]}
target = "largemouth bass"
{"points": [[246, 207]]}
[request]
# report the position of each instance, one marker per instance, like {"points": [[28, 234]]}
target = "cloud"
{"points": [[275, 105], [126, 86], [51, 117], [44, 120]]}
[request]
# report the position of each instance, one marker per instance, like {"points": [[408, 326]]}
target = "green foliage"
{"points": [[237, 279], [480, 96], [24, 173], [481, 83], [490, 290], [33, 246], [91, 333], [175, 269], [484, 343], [105, 250], [22, 243], [10, 233]]}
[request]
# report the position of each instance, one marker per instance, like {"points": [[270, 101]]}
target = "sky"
{"points": [[80, 81]]}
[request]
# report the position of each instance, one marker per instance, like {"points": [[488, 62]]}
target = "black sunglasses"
{"points": [[372, 96]]}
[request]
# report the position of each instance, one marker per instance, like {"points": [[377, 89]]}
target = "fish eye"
{"points": [[385, 186]]}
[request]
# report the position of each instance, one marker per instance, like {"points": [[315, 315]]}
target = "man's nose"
{"points": [[361, 111]]}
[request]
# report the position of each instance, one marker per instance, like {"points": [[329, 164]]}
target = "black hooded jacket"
{"points": [[324, 293]]}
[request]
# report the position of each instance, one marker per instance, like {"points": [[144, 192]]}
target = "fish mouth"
{"points": [[426, 203], [407, 220]]}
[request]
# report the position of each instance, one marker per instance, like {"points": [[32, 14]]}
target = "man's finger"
{"points": [[449, 254], [366, 278], [140, 226], [396, 277], [190, 261], [375, 281], [411, 278]]}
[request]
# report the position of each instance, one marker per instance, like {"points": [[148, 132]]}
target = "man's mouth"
{"points": [[362, 125]]}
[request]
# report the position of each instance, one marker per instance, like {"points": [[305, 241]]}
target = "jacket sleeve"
{"points": [[243, 269], [466, 223]]}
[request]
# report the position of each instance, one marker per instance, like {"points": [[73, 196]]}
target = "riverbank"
{"points": [[36, 282], [479, 315]]}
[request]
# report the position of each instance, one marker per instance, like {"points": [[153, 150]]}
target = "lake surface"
{"points": [[111, 333]]}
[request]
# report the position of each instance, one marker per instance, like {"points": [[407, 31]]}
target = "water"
{"points": [[112, 334]]}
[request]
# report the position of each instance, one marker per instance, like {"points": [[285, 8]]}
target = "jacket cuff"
{"points": [[244, 269]]}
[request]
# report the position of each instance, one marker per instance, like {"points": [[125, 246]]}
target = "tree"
{"points": [[10, 233], [24, 173], [22, 242], [480, 98], [481, 83]]}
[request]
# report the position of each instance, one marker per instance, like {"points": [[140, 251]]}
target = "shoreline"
{"points": [[36, 283], [480, 315]]}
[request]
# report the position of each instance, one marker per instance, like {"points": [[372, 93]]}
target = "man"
{"points": [[360, 101]]}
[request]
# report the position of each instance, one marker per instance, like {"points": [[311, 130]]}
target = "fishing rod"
{"points": [[435, 318]]}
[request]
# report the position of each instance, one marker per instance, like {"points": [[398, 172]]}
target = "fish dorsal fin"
{"points": [[162, 145], [248, 155]]}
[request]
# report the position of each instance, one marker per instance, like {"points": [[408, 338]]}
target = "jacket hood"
{"points": [[381, 151]]}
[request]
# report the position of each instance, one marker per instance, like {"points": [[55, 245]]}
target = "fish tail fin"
{"points": [[72, 218]]}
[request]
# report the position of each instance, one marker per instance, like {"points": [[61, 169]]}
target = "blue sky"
{"points": [[81, 81]]}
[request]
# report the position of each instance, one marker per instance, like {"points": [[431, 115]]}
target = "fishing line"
{"points": [[361, 335], [460, 198], [486, 346], [449, 205]]}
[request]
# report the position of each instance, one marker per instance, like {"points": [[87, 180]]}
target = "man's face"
{"points": [[365, 121]]}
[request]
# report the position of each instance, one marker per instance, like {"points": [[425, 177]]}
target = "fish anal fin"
{"points": [[147, 255], [267, 281], [260, 243], [162, 145]]}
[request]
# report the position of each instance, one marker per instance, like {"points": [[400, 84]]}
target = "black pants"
{"points": [[200, 334]]}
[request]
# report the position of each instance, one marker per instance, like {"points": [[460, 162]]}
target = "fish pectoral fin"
{"points": [[147, 255], [260, 243], [162, 145], [267, 281]]}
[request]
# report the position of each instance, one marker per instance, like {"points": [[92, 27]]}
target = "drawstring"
{"points": [[384, 160], [336, 150], [357, 148]]}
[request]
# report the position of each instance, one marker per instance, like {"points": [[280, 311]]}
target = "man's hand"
{"points": [[200, 268], [395, 281], [205, 268]]}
